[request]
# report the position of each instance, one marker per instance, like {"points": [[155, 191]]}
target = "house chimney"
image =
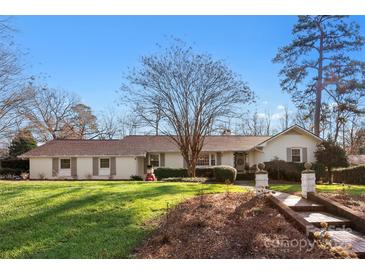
{"points": [[227, 132]]}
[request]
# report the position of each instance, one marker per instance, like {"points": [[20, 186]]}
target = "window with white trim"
{"points": [[155, 159], [206, 159], [296, 155], [203, 159], [65, 163], [104, 163], [212, 159]]}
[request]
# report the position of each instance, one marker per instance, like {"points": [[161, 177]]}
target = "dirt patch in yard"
{"points": [[354, 202], [234, 225]]}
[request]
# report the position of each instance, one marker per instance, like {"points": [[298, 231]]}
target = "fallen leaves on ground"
{"points": [[228, 225], [354, 202]]}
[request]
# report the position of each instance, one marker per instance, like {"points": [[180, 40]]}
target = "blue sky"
{"points": [[87, 55]]}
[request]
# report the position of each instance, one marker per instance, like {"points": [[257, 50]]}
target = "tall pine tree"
{"points": [[311, 61]]}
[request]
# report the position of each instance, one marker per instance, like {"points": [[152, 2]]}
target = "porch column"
{"points": [[261, 179], [308, 180]]}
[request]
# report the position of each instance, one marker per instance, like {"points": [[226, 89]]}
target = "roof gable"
{"points": [[294, 128]]}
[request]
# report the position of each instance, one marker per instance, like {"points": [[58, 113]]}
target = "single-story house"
{"points": [[120, 159]]}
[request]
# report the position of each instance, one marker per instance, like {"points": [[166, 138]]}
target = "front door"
{"points": [[240, 162]]}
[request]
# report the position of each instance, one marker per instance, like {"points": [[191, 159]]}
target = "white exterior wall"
{"points": [[277, 147], [140, 166], [228, 159], [84, 167], [38, 166], [126, 166], [253, 157], [174, 160]]}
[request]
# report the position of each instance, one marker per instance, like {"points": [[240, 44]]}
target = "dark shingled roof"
{"points": [[138, 146], [70, 147], [212, 143]]}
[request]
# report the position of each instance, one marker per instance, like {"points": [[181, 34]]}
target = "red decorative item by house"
{"points": [[150, 176]]}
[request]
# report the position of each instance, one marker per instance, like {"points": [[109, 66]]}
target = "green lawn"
{"points": [[292, 188], [84, 219]]}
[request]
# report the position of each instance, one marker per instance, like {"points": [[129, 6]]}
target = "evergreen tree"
{"points": [[22, 143], [318, 60], [331, 156]]}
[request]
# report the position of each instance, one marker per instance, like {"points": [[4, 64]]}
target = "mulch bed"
{"points": [[228, 225], [354, 202]]}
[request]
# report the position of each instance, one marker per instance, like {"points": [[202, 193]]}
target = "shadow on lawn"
{"points": [[74, 229], [99, 225]]}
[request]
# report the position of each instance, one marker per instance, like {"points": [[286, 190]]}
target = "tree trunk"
{"points": [[337, 129], [319, 87], [192, 169], [343, 136], [190, 164], [156, 128]]}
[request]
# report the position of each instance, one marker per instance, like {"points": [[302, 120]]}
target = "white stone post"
{"points": [[261, 179], [308, 180]]}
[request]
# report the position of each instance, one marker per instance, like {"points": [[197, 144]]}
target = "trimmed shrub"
{"points": [[207, 172], [350, 175], [166, 172], [245, 176], [218, 173], [136, 178], [10, 172], [288, 171], [186, 179], [17, 164], [224, 173], [281, 170]]}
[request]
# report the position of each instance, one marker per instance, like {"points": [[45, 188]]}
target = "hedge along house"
{"points": [[120, 159]]}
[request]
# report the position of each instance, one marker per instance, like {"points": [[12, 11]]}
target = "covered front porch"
{"points": [[244, 160]]}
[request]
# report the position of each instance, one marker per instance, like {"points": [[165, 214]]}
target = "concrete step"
{"points": [[316, 218], [298, 203], [353, 238]]}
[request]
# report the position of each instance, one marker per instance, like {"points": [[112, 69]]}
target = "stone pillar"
{"points": [[261, 179], [308, 180]]}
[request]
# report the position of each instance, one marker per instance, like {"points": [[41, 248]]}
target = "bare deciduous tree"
{"points": [[286, 118], [109, 125], [81, 123], [11, 81], [253, 124], [113, 125], [149, 119], [304, 119], [267, 119], [191, 90], [48, 112], [356, 143]]}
